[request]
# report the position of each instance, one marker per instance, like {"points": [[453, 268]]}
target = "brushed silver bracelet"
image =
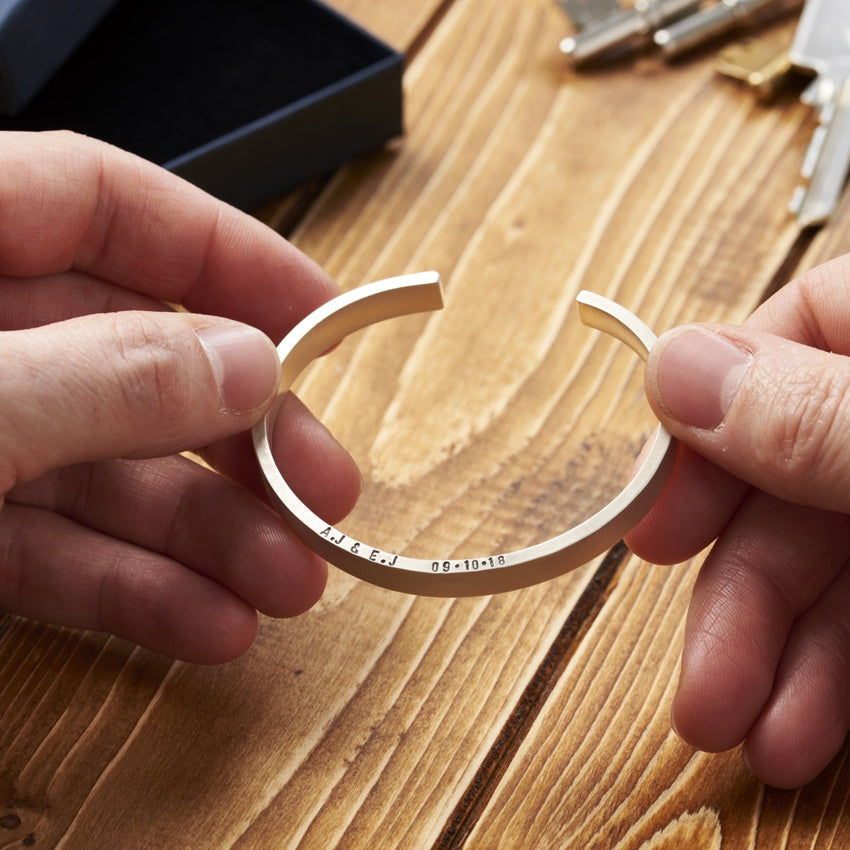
{"points": [[479, 574]]}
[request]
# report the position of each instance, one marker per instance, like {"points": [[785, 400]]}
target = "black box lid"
{"points": [[36, 37], [245, 98]]}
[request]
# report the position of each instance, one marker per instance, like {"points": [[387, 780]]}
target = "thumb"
{"points": [[771, 411], [128, 384]]}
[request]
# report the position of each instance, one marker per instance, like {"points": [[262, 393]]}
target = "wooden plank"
{"points": [[494, 424], [68, 702], [833, 240], [399, 24], [602, 768]]}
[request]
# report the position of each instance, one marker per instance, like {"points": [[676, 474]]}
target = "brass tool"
{"points": [[477, 574], [761, 63]]}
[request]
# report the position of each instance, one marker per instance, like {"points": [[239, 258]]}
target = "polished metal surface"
{"points": [[476, 574], [628, 25], [822, 44], [709, 22]]}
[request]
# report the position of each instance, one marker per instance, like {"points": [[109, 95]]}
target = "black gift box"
{"points": [[245, 98]]}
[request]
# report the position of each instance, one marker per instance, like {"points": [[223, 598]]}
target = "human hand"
{"points": [[103, 525], [763, 412]]}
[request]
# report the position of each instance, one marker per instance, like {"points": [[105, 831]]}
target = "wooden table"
{"points": [[531, 719]]}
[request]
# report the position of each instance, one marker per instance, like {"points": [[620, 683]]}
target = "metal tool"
{"points": [[587, 13], [711, 21], [622, 27], [763, 64], [451, 576], [822, 44]]}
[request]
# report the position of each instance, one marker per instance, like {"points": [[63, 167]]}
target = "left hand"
{"points": [[104, 525]]}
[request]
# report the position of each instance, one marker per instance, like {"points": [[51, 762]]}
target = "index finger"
{"points": [[70, 202], [813, 309]]}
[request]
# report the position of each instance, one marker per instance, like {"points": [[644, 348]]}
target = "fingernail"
{"points": [[697, 375], [244, 362]]}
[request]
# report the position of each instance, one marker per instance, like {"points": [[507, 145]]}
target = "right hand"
{"points": [[763, 412]]}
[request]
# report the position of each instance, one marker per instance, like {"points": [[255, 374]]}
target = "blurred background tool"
{"points": [[605, 27], [715, 20], [822, 44]]}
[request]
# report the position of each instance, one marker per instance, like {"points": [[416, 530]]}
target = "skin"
{"points": [[763, 471], [104, 525]]}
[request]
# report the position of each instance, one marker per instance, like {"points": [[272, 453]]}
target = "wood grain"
{"points": [[399, 24], [496, 423], [605, 733]]}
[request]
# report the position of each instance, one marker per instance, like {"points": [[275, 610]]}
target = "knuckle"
{"points": [[805, 439], [150, 371]]}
